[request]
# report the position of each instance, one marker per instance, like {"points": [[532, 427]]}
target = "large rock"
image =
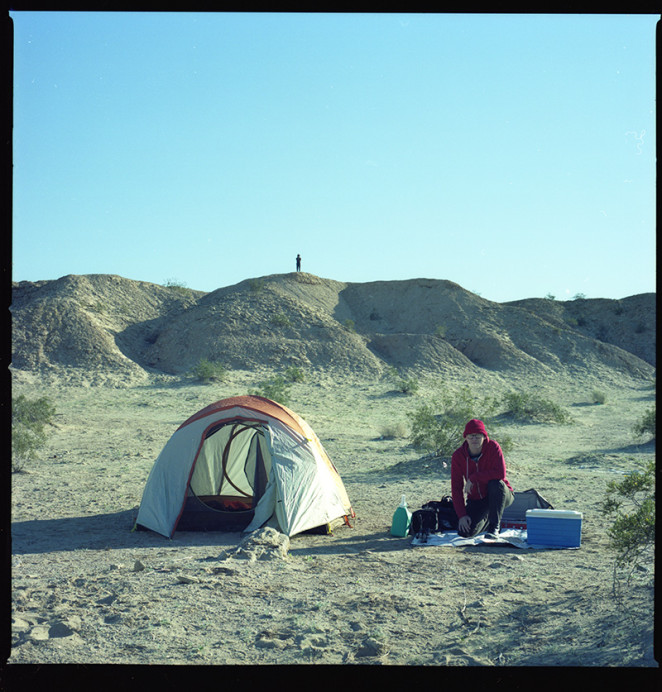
{"points": [[264, 544]]}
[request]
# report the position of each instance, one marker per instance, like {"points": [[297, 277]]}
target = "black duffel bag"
{"points": [[434, 517]]}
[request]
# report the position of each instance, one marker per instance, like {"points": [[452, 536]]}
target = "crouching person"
{"points": [[478, 469]]}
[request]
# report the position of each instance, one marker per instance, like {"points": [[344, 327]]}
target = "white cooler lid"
{"points": [[553, 513]]}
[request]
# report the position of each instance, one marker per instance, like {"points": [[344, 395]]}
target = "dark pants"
{"points": [[486, 513]]}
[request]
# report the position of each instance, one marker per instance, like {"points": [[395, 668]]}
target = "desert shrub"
{"points": [[255, 285], [97, 307], [393, 430], [437, 434], [506, 442], [437, 427], [209, 371], [28, 422], [646, 426], [276, 388], [531, 408], [280, 319], [599, 397], [177, 286], [349, 325], [440, 331], [406, 385], [295, 374], [630, 504]]}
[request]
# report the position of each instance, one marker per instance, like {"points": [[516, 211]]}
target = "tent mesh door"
{"points": [[230, 504]]}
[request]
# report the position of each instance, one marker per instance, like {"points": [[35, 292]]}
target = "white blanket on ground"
{"points": [[451, 539]]}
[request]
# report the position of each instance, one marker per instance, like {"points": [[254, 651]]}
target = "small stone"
{"points": [[74, 622], [183, 579], [40, 633], [138, 566], [107, 600], [60, 629], [265, 642], [224, 570], [20, 625], [371, 648]]}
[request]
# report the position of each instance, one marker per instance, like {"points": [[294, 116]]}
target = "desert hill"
{"points": [[103, 327]]}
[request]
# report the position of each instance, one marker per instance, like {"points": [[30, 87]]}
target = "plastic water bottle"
{"points": [[401, 520]]}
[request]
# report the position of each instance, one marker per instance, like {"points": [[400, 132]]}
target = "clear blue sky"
{"points": [[512, 154]]}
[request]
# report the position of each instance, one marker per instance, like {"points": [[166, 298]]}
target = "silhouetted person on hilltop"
{"points": [[298, 263]]}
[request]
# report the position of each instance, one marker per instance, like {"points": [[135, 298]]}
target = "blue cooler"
{"points": [[557, 527]]}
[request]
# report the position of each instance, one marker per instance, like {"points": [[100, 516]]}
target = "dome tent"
{"points": [[239, 463]]}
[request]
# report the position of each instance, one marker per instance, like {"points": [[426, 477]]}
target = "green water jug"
{"points": [[401, 520]]}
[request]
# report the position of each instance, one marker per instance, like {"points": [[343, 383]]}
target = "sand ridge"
{"points": [[127, 329]]}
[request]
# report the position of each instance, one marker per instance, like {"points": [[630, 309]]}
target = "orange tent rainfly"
{"points": [[239, 464]]}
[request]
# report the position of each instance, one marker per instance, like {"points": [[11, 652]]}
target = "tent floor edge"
{"points": [[327, 529]]}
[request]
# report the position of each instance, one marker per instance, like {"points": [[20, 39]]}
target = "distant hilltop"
{"points": [[99, 324]]}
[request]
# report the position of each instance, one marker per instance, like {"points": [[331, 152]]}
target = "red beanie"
{"points": [[475, 426]]}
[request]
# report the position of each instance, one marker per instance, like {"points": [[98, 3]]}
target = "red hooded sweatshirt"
{"points": [[490, 465]]}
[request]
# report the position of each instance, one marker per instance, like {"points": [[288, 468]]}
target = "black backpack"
{"points": [[434, 517]]}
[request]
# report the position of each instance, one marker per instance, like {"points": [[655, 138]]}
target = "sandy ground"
{"points": [[86, 589]]}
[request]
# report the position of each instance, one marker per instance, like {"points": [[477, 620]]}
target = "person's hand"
{"points": [[464, 525], [467, 486]]}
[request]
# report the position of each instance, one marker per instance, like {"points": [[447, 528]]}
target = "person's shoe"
{"points": [[491, 536]]}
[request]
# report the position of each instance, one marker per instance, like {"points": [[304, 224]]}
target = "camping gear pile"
{"points": [[239, 464], [436, 519]]}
